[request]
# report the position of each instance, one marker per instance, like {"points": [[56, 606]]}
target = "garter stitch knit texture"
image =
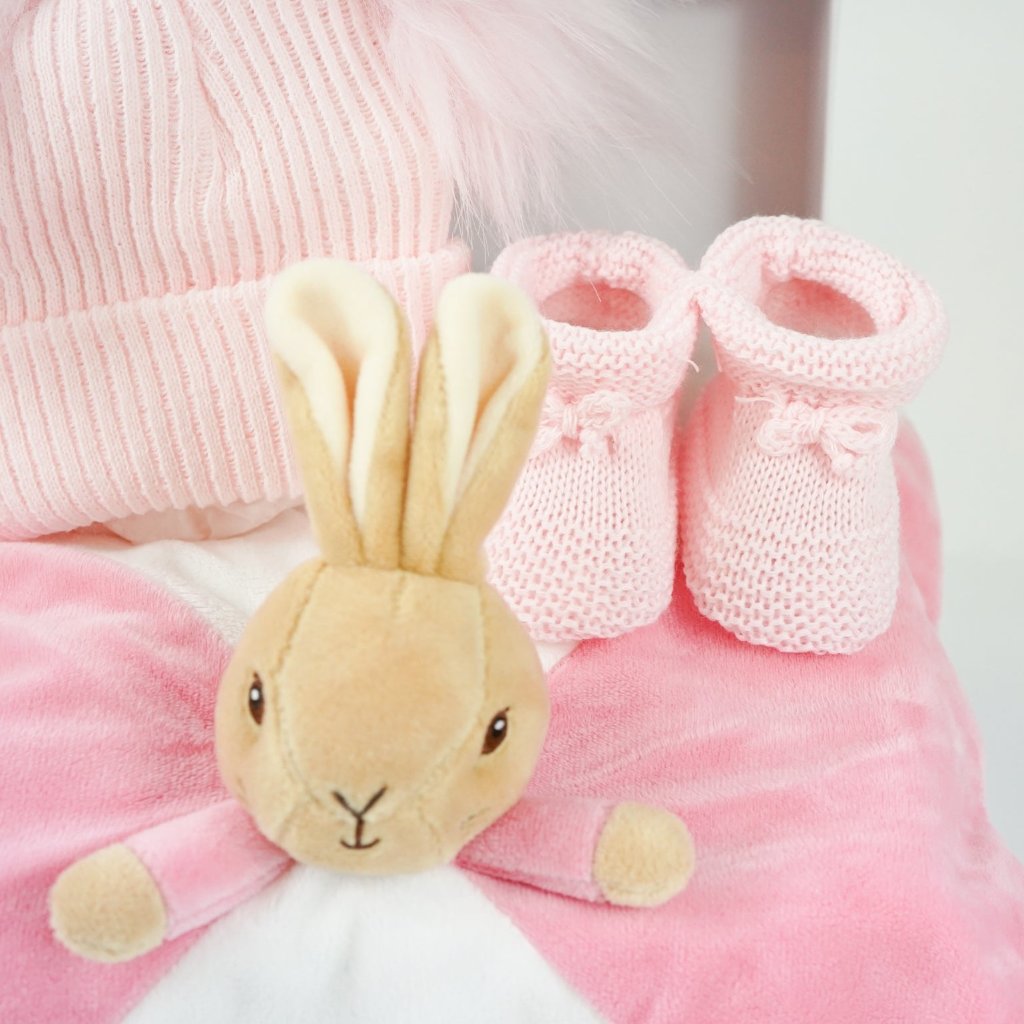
{"points": [[161, 162], [586, 546], [791, 517]]}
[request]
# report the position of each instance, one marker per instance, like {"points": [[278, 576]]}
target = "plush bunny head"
{"points": [[384, 705]]}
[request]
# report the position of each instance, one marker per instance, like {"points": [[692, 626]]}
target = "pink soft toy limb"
{"points": [[208, 862]]}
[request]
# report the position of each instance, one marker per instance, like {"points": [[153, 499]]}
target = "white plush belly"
{"points": [[316, 946]]}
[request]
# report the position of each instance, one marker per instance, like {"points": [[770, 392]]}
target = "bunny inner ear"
{"points": [[374, 383], [321, 443], [482, 382], [342, 338]]}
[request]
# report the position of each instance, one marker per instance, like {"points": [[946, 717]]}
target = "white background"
{"points": [[925, 157], [901, 121]]}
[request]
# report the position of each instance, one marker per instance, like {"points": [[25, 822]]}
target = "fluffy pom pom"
{"points": [[511, 89]]}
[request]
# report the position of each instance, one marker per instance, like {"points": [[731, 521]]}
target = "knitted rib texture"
{"points": [[790, 518], [161, 162], [587, 545]]}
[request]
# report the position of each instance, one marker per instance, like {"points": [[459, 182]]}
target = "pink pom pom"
{"points": [[512, 88]]}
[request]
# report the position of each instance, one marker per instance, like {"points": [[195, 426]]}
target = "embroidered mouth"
{"points": [[359, 844], [359, 814]]}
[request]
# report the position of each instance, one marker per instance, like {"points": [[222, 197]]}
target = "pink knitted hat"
{"points": [[586, 547], [790, 529], [159, 163]]}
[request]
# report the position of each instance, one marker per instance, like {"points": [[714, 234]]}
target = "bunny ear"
{"points": [[482, 382], [343, 355]]}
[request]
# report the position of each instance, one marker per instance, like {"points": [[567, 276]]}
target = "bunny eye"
{"points": [[496, 732], [256, 699]]}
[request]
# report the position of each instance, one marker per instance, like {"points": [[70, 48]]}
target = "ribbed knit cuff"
{"points": [[889, 338], [165, 403], [645, 281]]}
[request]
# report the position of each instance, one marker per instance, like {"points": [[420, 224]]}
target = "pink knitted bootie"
{"points": [[587, 545], [791, 517]]}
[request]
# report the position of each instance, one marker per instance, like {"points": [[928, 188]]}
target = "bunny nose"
{"points": [[358, 812]]}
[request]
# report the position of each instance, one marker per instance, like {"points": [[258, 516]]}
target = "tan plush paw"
{"points": [[644, 856], [107, 907]]}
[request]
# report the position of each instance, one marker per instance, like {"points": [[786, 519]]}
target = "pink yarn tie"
{"points": [[592, 422], [846, 434]]}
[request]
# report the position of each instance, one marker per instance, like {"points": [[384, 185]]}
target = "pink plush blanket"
{"points": [[847, 872], [107, 687]]}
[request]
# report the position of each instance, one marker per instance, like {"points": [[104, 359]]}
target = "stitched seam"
{"points": [[286, 747], [229, 899], [441, 766], [306, 600]]}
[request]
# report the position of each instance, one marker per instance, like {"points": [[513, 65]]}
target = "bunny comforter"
{"points": [[846, 869]]}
